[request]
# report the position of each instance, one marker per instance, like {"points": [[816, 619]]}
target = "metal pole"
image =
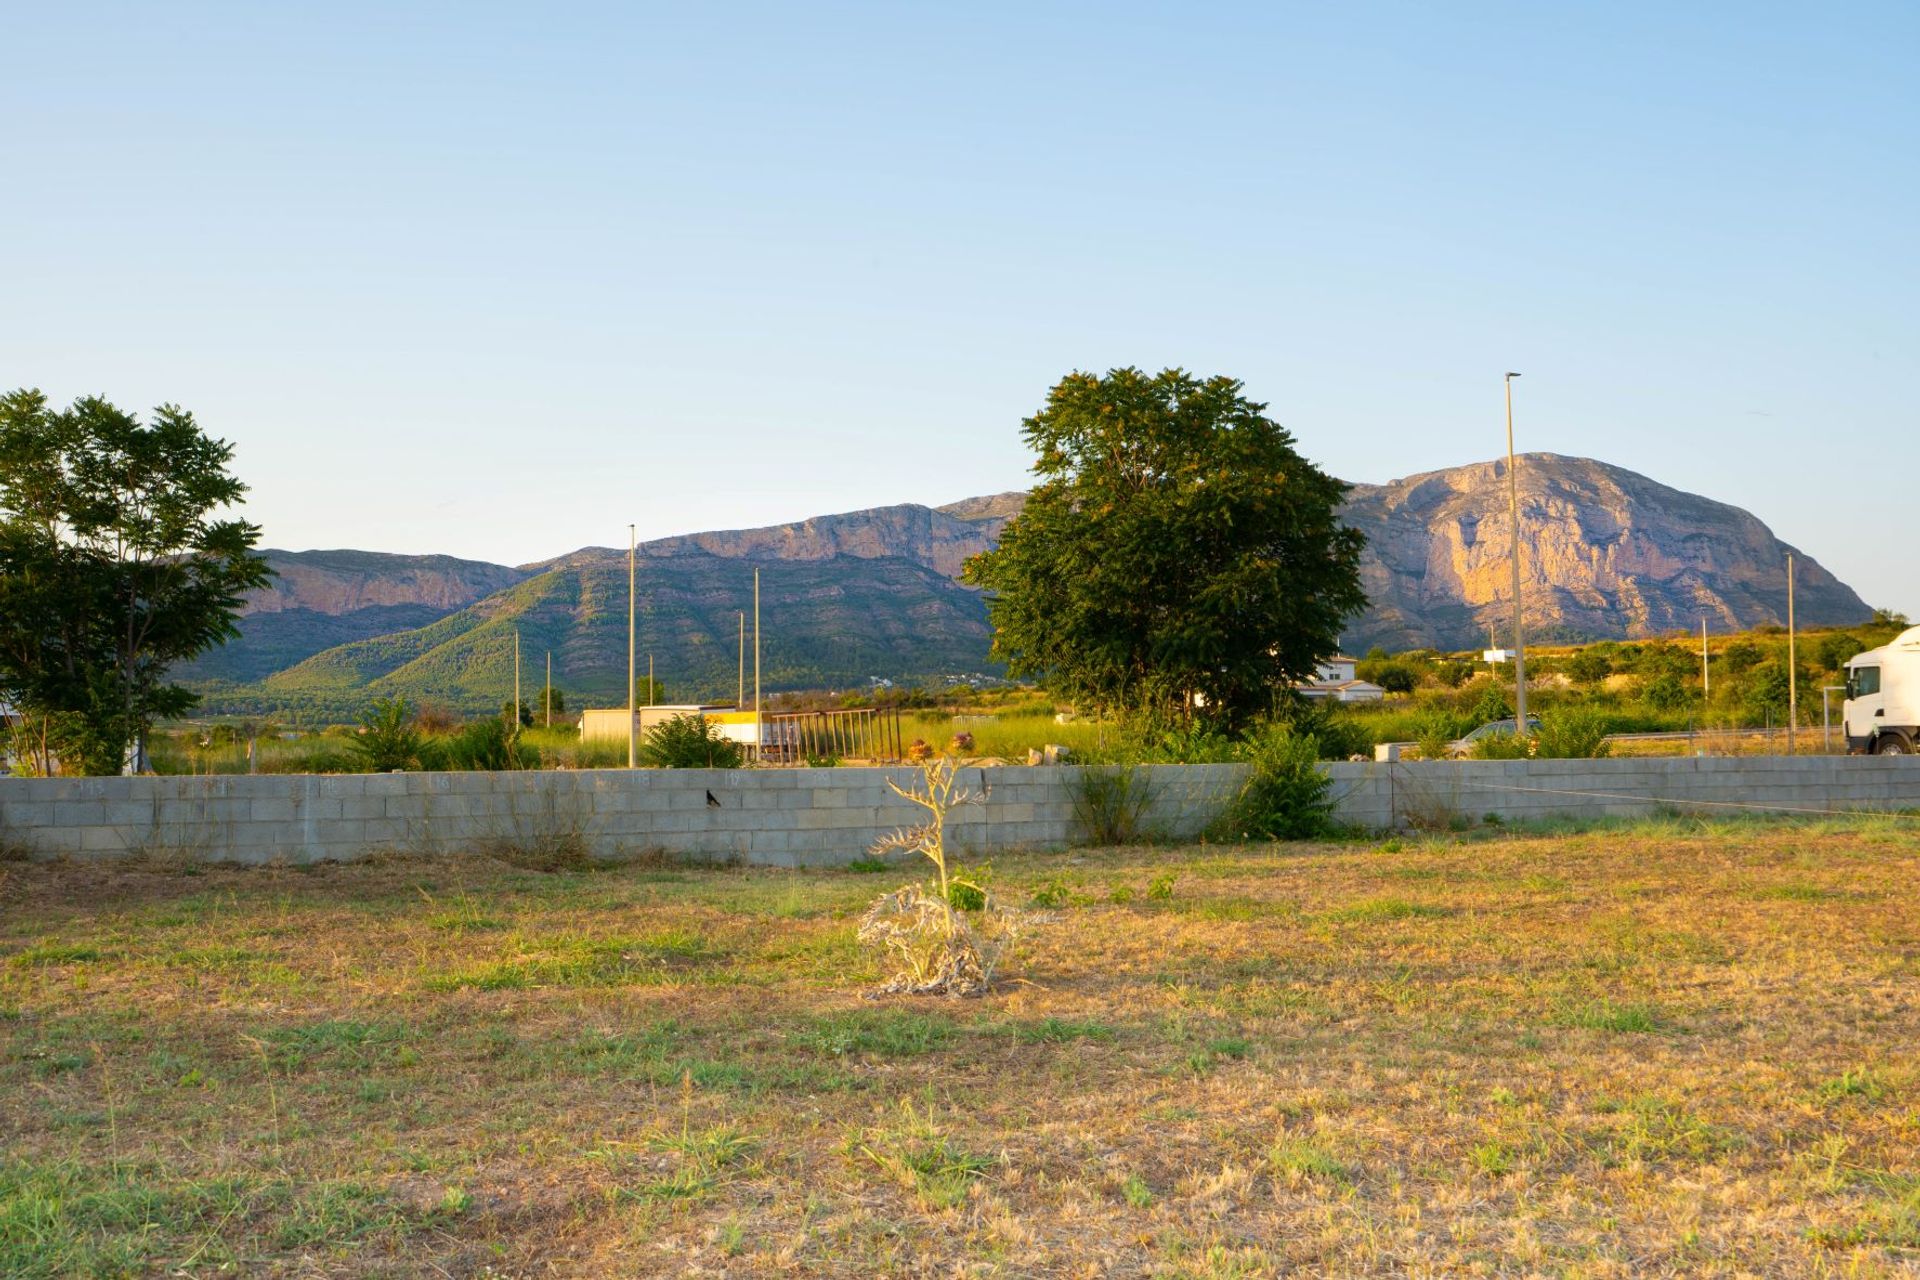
{"points": [[740, 690], [1519, 633], [653, 696], [756, 665], [1793, 674], [516, 679], [633, 744], [549, 688]]}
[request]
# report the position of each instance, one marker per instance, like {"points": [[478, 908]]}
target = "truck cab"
{"points": [[1881, 715]]}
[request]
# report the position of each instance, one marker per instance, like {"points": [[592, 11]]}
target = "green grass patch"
{"points": [[879, 1033], [1605, 1015], [46, 954], [1380, 910]]}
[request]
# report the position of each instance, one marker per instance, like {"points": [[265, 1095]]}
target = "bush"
{"points": [[1834, 650], [1110, 802], [388, 739], [1397, 677], [488, 745], [1435, 730], [1492, 705], [1503, 746], [1667, 692], [1571, 733], [1341, 736], [1589, 666], [1285, 796], [689, 742]]}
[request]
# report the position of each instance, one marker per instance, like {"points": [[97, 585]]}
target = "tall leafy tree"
{"points": [[113, 566], [1177, 544]]}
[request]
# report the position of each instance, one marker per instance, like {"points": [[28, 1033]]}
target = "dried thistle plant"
{"points": [[936, 948]]}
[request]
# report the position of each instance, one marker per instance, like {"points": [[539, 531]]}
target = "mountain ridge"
{"points": [[1607, 553]]}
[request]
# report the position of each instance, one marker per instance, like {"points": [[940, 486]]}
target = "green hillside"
{"points": [[832, 622]]}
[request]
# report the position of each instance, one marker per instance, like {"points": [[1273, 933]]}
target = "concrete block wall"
{"points": [[1417, 793], [796, 817]]}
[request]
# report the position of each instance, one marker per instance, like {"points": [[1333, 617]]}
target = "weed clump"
{"points": [[947, 937]]}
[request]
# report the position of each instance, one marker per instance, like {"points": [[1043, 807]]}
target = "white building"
{"points": [[1334, 681]]}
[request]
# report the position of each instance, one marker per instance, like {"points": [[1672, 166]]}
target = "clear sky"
{"points": [[496, 281]]}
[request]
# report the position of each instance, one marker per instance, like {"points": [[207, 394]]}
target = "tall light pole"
{"points": [[759, 740], [633, 744], [1519, 632], [1793, 666]]}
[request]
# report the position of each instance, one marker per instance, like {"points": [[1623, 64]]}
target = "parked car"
{"points": [[1491, 729]]}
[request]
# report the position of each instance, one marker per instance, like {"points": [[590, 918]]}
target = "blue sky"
{"points": [[497, 281]]}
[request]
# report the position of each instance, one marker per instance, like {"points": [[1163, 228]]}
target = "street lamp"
{"points": [[632, 713], [1519, 633]]}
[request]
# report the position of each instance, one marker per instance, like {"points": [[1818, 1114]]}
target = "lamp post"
{"points": [[633, 745], [1519, 633]]}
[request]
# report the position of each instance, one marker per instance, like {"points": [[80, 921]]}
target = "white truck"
{"points": [[1882, 712]]}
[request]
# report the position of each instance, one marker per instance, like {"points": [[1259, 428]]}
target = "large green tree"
{"points": [[112, 565], [1177, 544]]}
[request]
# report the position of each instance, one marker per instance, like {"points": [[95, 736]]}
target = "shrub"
{"points": [[483, 746], [1397, 677], [1285, 795], [689, 742], [388, 739], [1571, 733], [1435, 730], [1110, 802], [1589, 666], [1834, 650], [1503, 746], [1341, 736], [1492, 705], [1666, 692]]}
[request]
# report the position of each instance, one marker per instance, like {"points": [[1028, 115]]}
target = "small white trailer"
{"points": [[1882, 712]]}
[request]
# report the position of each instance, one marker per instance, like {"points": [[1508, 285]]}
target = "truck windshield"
{"points": [[1863, 682]]}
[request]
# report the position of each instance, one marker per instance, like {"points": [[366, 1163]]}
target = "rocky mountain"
{"points": [[1606, 553], [934, 538], [319, 599], [832, 621]]}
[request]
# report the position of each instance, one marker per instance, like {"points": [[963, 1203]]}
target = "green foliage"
{"points": [[1110, 802], [1589, 666], [521, 715], [1765, 690], [1285, 796], [1341, 734], [1492, 705], [1832, 651], [1571, 733], [1667, 692], [1177, 544], [689, 742], [489, 744], [967, 889], [112, 569], [1741, 655], [1435, 730], [1503, 746], [388, 738]]}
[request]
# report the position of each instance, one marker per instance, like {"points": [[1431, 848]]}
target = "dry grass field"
{"points": [[1665, 1049]]}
